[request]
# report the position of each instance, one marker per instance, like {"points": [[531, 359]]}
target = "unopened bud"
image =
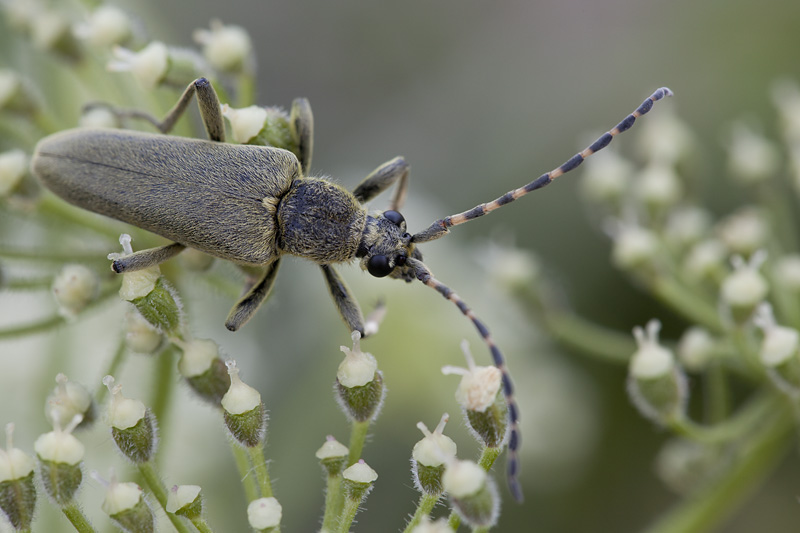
{"points": [[264, 514], [359, 383], [656, 385], [472, 493], [332, 456], [107, 25], [17, 489], [60, 455], [226, 48], [429, 457], [358, 480], [74, 287], [745, 287], [150, 65], [204, 370], [696, 349], [185, 500], [140, 335], [779, 351], [244, 413], [132, 425], [125, 505]]}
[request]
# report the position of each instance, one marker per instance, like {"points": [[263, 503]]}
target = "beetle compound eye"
{"points": [[394, 217], [378, 266]]}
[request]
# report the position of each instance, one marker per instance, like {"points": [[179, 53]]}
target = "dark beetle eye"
{"points": [[394, 217], [378, 266]]}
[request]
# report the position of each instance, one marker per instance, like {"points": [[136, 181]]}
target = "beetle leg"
{"points": [[345, 303], [301, 122], [249, 303], [146, 258], [381, 179], [207, 101]]}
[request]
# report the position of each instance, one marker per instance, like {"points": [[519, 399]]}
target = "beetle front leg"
{"points": [[347, 306], [207, 101], [145, 258], [381, 179], [249, 303]]}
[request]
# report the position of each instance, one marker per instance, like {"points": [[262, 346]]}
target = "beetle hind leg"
{"points": [[145, 258], [252, 299]]}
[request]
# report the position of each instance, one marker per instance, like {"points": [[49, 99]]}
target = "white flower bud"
{"points": [[226, 48], [426, 526], [264, 513], [14, 463], [121, 497], [436, 448], [780, 343], [149, 65], [705, 258], [198, 354], [751, 158], [182, 495], [658, 186], [107, 25], [665, 139], [607, 178], [123, 413], [744, 232], [67, 400], [13, 165], [140, 335], [360, 473], [246, 122], [651, 360], [240, 398], [74, 287], [634, 247], [787, 272], [48, 28], [463, 478], [60, 446], [696, 348], [332, 449], [745, 287], [687, 225], [139, 283], [479, 384], [358, 368], [98, 117]]}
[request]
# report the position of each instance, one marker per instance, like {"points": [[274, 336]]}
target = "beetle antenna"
{"points": [[441, 227], [425, 276]]}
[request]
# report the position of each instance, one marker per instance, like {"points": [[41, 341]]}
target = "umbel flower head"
{"points": [[480, 395]]}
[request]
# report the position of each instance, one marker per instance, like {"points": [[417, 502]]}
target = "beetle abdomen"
{"points": [[216, 197], [320, 221]]}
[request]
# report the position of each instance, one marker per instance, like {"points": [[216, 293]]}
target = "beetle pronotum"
{"points": [[253, 204]]}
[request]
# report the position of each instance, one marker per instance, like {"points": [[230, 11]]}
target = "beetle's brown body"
{"points": [[248, 204]]}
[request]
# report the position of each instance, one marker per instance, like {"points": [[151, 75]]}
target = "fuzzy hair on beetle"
{"points": [[253, 204]]}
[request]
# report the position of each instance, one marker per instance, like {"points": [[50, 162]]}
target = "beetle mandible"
{"points": [[253, 204]]}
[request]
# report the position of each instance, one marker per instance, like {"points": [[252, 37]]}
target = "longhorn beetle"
{"points": [[253, 204]]}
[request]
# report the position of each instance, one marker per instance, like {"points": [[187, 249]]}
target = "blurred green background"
{"points": [[480, 97]]}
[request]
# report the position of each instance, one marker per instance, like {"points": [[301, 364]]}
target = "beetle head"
{"points": [[386, 246]]}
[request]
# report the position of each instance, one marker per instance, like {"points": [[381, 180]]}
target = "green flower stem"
{"points": [[243, 466], [162, 390], [155, 485], [756, 458], [596, 341], [454, 520], [737, 427], [426, 504], [77, 518], [333, 502], [27, 284], [358, 436], [262, 472], [348, 514], [480, 529], [201, 525], [112, 370], [717, 393], [686, 302], [247, 90]]}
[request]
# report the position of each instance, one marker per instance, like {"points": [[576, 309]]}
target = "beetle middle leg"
{"points": [[381, 179], [252, 299], [346, 304], [207, 101]]}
